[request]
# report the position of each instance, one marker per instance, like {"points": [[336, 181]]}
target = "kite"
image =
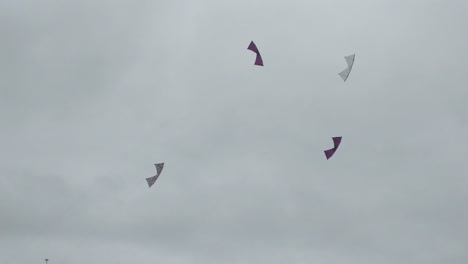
{"points": [[350, 61], [152, 180], [336, 142], [258, 59]]}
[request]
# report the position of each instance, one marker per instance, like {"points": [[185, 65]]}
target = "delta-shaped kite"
{"points": [[350, 61], [336, 143], [258, 59], [152, 180]]}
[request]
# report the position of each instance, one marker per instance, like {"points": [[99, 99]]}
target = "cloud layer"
{"points": [[94, 92]]}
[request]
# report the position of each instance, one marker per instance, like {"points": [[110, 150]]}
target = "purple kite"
{"points": [[258, 59], [152, 180], [336, 142]]}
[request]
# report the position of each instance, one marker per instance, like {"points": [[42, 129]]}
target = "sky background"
{"points": [[94, 92]]}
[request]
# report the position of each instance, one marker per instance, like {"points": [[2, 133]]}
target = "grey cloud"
{"points": [[94, 92]]}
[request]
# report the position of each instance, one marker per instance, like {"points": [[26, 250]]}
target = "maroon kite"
{"points": [[258, 59], [336, 142]]}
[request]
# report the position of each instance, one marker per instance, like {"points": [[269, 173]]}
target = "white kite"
{"points": [[350, 61]]}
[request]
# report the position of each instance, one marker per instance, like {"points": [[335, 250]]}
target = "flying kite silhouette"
{"points": [[350, 61], [336, 142], [258, 59], [152, 180]]}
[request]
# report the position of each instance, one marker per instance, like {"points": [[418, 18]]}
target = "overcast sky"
{"points": [[94, 92]]}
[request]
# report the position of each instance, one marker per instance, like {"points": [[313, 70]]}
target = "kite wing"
{"points": [[152, 180], [159, 167], [350, 61], [344, 74], [336, 143], [258, 59]]}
